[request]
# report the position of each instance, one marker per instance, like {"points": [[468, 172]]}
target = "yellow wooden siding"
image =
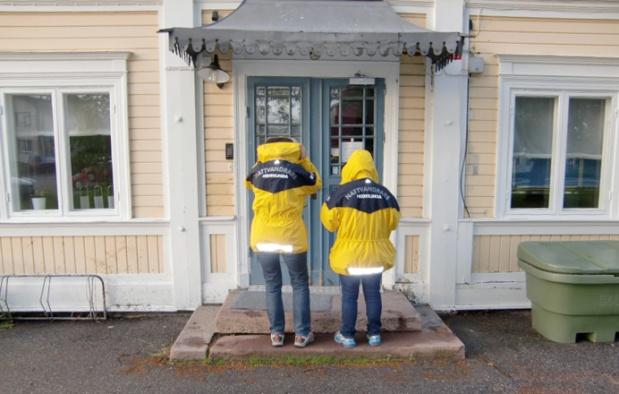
{"points": [[134, 32], [499, 253], [217, 243], [411, 253], [521, 36], [109, 254], [218, 130], [411, 129]]}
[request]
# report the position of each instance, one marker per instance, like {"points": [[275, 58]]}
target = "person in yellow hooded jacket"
{"points": [[281, 179], [364, 213]]}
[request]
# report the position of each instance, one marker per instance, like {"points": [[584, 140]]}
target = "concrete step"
{"points": [[244, 312], [198, 340]]}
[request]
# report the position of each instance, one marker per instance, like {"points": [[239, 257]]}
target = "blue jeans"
{"points": [[297, 269], [350, 294]]}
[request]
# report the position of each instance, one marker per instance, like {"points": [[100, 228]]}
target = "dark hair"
{"points": [[279, 139]]}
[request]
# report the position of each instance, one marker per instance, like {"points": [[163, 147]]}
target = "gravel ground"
{"points": [[127, 354]]}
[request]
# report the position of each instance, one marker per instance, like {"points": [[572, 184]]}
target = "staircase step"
{"points": [[435, 340], [244, 312]]}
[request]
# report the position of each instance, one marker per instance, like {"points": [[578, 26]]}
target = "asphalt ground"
{"points": [[128, 354]]}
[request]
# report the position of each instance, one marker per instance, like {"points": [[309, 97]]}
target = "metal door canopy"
{"points": [[314, 29]]}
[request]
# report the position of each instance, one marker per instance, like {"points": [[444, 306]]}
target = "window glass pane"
{"points": [[531, 162], [32, 152], [88, 113], [583, 163], [90, 146]]}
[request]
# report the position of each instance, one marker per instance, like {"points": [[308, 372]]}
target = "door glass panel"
{"points": [[353, 91], [32, 152], [533, 129], [369, 111], [90, 146], [583, 162], [352, 112], [295, 103], [355, 105], [278, 130], [278, 112]]}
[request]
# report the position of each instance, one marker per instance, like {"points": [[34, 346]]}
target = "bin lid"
{"points": [[572, 257]]}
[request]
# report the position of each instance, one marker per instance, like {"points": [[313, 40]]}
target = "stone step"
{"points": [[244, 312], [199, 340]]}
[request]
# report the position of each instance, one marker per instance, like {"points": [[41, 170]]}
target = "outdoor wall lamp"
{"points": [[213, 73]]}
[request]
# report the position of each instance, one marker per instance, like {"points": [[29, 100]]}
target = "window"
{"points": [[557, 152], [64, 140]]}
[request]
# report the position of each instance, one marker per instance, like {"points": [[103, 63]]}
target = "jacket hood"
{"points": [[289, 151], [360, 165]]}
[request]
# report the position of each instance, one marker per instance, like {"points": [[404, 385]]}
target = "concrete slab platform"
{"points": [[192, 343], [398, 315], [435, 340]]}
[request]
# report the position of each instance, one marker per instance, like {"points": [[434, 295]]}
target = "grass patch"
{"points": [[5, 322], [305, 361]]}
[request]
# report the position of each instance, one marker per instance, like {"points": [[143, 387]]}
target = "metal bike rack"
{"points": [[44, 298]]}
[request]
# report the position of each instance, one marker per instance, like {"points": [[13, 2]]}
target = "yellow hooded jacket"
{"points": [[281, 179], [363, 213]]}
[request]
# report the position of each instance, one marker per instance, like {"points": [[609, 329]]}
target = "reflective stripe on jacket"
{"points": [[281, 179], [364, 213]]}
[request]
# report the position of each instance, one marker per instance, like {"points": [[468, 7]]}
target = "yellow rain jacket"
{"points": [[363, 213], [281, 179]]}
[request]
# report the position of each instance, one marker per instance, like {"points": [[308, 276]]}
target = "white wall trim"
{"points": [[84, 229], [418, 280], [217, 4], [445, 133], [497, 295], [545, 9], [556, 227], [179, 128], [79, 6], [497, 277], [215, 286], [124, 293], [242, 69]]}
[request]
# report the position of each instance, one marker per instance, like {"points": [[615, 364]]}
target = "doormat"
{"points": [[254, 300]]}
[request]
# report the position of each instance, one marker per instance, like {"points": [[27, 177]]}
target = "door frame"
{"points": [[242, 69]]}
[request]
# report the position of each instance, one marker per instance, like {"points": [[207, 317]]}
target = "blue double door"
{"points": [[331, 118]]}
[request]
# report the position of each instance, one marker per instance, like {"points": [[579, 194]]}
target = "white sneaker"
{"points": [[303, 341], [277, 339]]}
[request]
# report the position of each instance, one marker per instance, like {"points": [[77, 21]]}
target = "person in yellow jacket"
{"points": [[281, 179], [364, 213]]}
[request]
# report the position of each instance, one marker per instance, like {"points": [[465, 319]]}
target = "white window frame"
{"points": [[59, 74], [561, 78]]}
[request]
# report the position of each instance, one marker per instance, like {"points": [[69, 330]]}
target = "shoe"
{"points": [[344, 341], [374, 340], [303, 341], [277, 339]]}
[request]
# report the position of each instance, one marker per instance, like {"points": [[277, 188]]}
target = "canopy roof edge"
{"points": [[314, 29]]}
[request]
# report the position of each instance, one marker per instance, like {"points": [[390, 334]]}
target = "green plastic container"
{"points": [[574, 288]]}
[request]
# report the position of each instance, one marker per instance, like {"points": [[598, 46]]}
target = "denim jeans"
{"points": [[373, 303], [297, 270]]}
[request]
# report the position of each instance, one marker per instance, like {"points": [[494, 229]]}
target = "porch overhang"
{"points": [[314, 29]]}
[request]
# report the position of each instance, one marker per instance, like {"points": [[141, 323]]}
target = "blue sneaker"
{"points": [[344, 341], [374, 340]]}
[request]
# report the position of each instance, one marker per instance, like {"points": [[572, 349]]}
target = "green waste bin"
{"points": [[574, 288]]}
